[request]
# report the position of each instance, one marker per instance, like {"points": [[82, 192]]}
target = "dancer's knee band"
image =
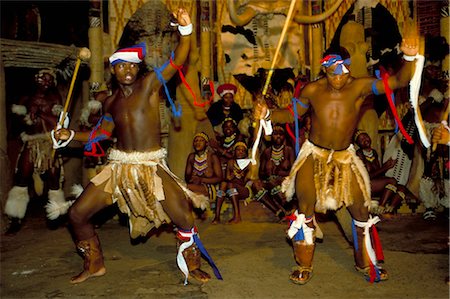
{"points": [[220, 193], [299, 230], [401, 194], [391, 187], [260, 194], [232, 191]]}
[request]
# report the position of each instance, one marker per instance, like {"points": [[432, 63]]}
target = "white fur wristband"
{"points": [[59, 143], [409, 58], [185, 30]]}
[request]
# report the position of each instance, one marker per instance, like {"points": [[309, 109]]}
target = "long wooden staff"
{"points": [[280, 42], [84, 54], [254, 169]]}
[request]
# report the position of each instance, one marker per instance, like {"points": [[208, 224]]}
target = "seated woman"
{"points": [[203, 170], [224, 145], [235, 186], [391, 193], [275, 164]]}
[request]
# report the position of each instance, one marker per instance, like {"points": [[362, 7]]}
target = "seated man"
{"points": [[391, 193]]}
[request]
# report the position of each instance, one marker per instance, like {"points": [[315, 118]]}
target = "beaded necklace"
{"points": [[237, 171], [200, 163], [368, 154], [277, 155], [229, 140]]}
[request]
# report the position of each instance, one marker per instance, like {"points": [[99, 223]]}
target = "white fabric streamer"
{"points": [[414, 89], [267, 126], [181, 262], [367, 240]]}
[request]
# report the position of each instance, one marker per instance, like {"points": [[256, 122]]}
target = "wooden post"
{"points": [[316, 43], [5, 182], [95, 32]]}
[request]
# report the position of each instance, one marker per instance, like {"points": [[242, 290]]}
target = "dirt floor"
{"points": [[253, 257]]}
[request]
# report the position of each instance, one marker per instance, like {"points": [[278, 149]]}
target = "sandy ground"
{"points": [[253, 257]]}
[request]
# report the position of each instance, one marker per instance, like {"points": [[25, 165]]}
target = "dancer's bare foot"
{"points": [[215, 221], [85, 275], [200, 275]]}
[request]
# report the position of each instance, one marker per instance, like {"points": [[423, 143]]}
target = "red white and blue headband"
{"points": [[334, 59], [133, 54]]}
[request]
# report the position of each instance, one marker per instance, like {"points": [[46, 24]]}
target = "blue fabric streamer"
{"points": [[335, 59], [355, 236], [297, 129], [107, 118], [88, 145], [299, 236], [158, 72], [206, 255], [374, 88]]}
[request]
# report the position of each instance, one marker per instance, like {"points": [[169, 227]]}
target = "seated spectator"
{"points": [[223, 144], [203, 169], [235, 186], [275, 164], [226, 107], [391, 193]]}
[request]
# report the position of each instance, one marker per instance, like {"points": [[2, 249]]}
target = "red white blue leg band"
{"points": [[190, 237], [298, 228], [374, 254]]}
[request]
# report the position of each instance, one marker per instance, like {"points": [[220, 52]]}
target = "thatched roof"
{"points": [[38, 55]]}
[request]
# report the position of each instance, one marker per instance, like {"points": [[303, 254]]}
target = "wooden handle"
{"points": [[280, 42]]}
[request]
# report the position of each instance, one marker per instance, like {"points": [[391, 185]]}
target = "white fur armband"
{"points": [[59, 143], [19, 109], [409, 57], [57, 109], [185, 30]]}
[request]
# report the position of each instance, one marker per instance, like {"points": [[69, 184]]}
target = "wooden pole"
{"points": [[280, 42]]}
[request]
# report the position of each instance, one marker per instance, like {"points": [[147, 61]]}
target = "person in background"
{"points": [[235, 185], [223, 145], [40, 112], [203, 170], [224, 108], [390, 191], [275, 164]]}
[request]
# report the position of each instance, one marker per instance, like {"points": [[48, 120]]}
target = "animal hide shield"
{"points": [[253, 46]]}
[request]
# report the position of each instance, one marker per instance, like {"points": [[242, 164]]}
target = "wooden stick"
{"points": [[84, 54], [280, 42], [69, 94]]}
